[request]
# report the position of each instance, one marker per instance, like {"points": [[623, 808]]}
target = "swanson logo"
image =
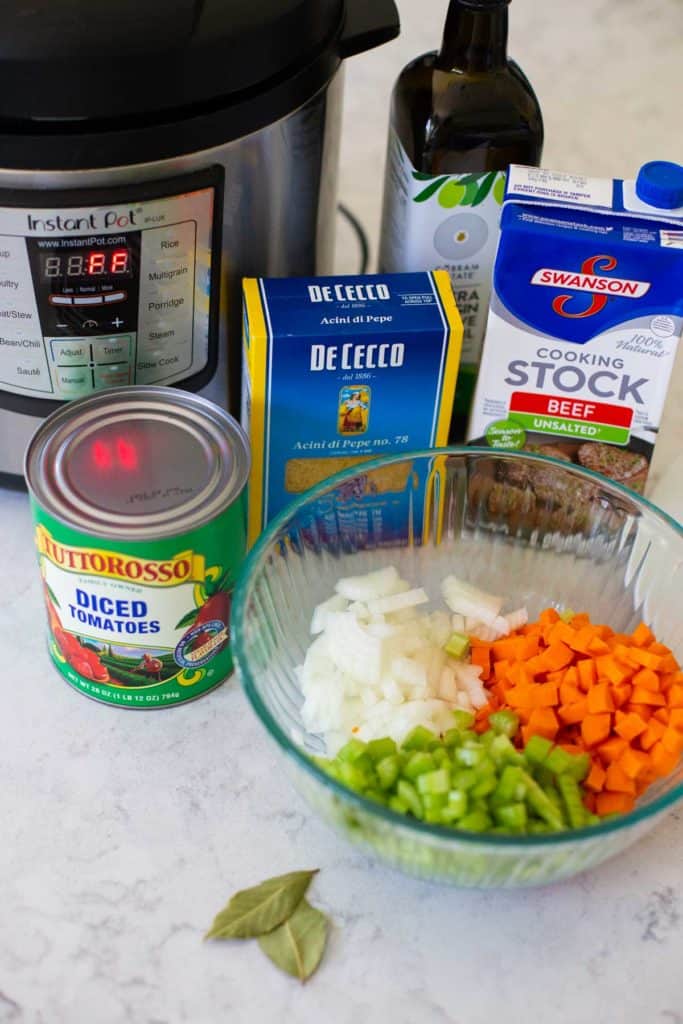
{"points": [[589, 279]]}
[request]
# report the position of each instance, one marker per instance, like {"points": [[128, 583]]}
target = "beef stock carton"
{"points": [[338, 370], [585, 318]]}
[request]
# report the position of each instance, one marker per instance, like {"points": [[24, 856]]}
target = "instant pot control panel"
{"points": [[109, 287]]}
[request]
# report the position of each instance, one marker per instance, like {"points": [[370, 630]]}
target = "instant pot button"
{"points": [[112, 350], [66, 352], [74, 381], [88, 300], [112, 376], [59, 300], [115, 297]]}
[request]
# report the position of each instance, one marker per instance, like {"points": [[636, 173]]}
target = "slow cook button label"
{"points": [[160, 365]]}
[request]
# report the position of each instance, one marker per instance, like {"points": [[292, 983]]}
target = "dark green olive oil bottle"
{"points": [[459, 118]]}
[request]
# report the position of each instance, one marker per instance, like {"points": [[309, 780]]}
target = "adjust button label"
{"points": [[70, 353]]}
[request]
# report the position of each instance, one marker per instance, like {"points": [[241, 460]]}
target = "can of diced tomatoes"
{"points": [[138, 498]]}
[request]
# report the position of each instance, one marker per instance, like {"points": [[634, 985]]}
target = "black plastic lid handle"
{"points": [[368, 23]]}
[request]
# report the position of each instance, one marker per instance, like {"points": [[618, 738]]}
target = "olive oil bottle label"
{"points": [[447, 222]]}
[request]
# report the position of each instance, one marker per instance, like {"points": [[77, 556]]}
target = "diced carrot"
{"points": [[662, 715], [633, 762], [646, 678], [543, 722], [672, 741], [618, 781], [508, 649], [622, 694], [624, 655], [571, 676], [609, 668], [612, 748], [642, 635], [656, 648], [595, 779], [644, 710], [481, 655], [663, 761], [580, 620], [569, 694], [521, 697], [669, 663], [595, 728], [589, 802], [557, 656], [676, 718], [629, 725], [598, 646], [571, 748], [572, 714], [643, 696], [587, 673], [675, 696], [561, 632], [518, 674], [548, 616], [654, 732], [613, 803], [600, 699], [581, 639], [646, 659], [545, 695], [500, 669], [530, 647]]}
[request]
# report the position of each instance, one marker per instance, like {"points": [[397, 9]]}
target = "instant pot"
{"points": [[151, 155]]}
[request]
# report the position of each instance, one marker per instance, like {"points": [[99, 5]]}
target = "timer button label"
{"points": [[112, 350]]}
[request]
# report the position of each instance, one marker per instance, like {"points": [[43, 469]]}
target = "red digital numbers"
{"points": [[119, 261], [96, 263]]}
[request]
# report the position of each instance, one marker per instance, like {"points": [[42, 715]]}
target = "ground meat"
{"points": [[618, 464], [523, 475]]}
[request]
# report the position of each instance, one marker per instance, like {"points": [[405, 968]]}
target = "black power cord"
{"points": [[361, 235]]}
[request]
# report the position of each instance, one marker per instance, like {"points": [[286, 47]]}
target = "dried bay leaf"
{"points": [[254, 912], [297, 946]]}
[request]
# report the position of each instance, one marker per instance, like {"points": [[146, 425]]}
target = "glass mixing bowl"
{"points": [[542, 532]]}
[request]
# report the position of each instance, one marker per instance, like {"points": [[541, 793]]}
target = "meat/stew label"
{"points": [[583, 329], [141, 624]]}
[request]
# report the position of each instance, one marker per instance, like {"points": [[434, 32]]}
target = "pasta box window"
{"points": [[341, 369]]}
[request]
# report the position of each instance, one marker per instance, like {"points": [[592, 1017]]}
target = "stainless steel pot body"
{"points": [[279, 199]]}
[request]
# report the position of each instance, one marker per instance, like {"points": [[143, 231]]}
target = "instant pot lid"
{"points": [[72, 60]]}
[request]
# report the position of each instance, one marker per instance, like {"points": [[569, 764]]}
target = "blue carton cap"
{"points": [[660, 183]]}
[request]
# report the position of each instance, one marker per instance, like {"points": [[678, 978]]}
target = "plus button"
{"points": [[117, 322]]}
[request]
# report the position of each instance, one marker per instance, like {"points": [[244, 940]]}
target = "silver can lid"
{"points": [[137, 463]]}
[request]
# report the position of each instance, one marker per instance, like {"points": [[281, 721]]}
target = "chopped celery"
{"points": [[379, 749], [475, 821], [469, 755], [419, 738], [432, 801], [388, 770], [352, 750], [409, 795], [505, 722], [434, 782], [464, 779], [513, 815], [477, 782], [452, 738], [567, 615], [538, 801], [463, 719], [537, 749], [571, 795], [457, 645], [418, 764]]}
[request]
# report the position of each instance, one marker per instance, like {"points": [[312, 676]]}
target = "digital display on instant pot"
{"points": [[86, 263]]}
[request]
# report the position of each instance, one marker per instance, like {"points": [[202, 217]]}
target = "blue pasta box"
{"points": [[338, 370]]}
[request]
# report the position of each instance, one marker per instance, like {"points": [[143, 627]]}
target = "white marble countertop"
{"points": [[123, 833]]}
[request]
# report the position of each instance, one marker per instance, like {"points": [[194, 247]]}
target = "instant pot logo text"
{"points": [[96, 220], [186, 567], [590, 279]]}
